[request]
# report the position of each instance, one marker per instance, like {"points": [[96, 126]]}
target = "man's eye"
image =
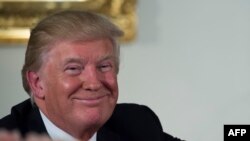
{"points": [[105, 67], [73, 70]]}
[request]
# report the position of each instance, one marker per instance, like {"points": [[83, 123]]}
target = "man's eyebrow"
{"points": [[106, 57], [73, 60]]}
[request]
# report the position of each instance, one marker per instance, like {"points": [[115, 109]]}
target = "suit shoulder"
{"points": [[138, 122], [18, 113], [136, 111]]}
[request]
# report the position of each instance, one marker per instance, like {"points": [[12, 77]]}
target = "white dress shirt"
{"points": [[58, 134]]}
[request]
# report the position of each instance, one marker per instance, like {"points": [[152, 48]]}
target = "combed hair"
{"points": [[68, 26]]}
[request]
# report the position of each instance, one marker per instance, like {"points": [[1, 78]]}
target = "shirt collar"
{"points": [[58, 134]]}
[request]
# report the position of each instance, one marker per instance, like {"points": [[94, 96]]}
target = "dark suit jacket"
{"points": [[129, 122]]}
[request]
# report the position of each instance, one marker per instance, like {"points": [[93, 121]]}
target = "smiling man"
{"points": [[70, 72]]}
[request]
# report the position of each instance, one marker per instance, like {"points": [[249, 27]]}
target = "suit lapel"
{"points": [[28, 118], [35, 123]]}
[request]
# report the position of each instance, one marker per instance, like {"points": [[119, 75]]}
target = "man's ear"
{"points": [[35, 84]]}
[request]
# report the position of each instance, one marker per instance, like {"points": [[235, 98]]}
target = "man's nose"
{"points": [[92, 79]]}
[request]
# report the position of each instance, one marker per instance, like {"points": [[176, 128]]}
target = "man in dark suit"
{"points": [[70, 72]]}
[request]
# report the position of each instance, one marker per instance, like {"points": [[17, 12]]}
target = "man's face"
{"points": [[78, 83]]}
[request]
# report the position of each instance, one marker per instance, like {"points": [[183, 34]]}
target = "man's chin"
{"points": [[91, 117]]}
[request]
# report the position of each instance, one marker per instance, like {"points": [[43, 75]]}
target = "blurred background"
{"points": [[190, 63]]}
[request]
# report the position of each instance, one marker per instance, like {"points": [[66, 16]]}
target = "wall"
{"points": [[190, 64]]}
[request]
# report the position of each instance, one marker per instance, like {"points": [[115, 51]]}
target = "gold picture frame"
{"points": [[17, 17]]}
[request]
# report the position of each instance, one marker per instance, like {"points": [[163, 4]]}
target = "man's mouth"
{"points": [[91, 100]]}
